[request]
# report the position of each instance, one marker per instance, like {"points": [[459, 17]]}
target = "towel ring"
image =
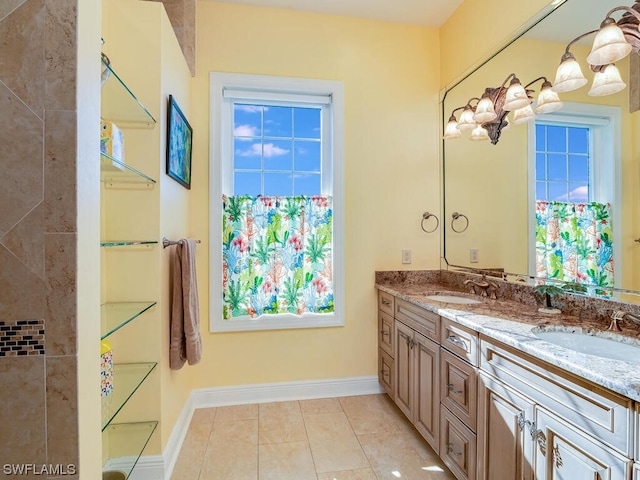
{"points": [[455, 216], [427, 216]]}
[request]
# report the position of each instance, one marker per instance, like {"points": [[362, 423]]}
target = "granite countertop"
{"points": [[512, 322]]}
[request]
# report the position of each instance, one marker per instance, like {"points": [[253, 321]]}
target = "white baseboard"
{"points": [[245, 394]]}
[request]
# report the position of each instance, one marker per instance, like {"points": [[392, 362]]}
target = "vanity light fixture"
{"points": [[486, 117], [613, 42]]}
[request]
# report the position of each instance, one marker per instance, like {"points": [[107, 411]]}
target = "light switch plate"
{"points": [[474, 255], [406, 257]]}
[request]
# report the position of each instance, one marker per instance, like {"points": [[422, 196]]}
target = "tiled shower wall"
{"points": [[38, 355]]}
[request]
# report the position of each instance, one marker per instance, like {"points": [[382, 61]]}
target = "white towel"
{"points": [[185, 343]]}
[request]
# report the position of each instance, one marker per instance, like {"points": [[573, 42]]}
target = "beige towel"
{"points": [[184, 342]]}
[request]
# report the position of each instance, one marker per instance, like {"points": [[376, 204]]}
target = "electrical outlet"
{"points": [[474, 255], [406, 257]]}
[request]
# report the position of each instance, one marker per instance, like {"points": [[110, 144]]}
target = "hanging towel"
{"points": [[184, 342]]}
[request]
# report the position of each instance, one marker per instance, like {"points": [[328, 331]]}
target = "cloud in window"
{"points": [[245, 131], [269, 150], [250, 108], [579, 194]]}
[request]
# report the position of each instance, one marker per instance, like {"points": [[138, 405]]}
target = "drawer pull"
{"points": [[458, 342], [384, 332], [451, 387], [384, 373], [451, 450], [386, 302]]}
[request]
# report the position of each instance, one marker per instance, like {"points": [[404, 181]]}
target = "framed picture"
{"points": [[179, 139]]}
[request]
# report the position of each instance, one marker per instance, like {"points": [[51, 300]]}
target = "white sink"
{"points": [[452, 299], [612, 346]]}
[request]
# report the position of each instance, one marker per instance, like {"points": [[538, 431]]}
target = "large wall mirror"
{"points": [[491, 190]]}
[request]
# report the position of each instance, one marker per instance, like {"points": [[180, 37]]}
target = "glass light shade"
{"points": [[609, 46], [607, 82], [466, 120], [516, 97], [485, 111], [523, 115], [569, 76], [452, 131], [479, 134], [548, 100]]}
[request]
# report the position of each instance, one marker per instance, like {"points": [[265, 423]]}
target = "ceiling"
{"points": [[429, 13]]}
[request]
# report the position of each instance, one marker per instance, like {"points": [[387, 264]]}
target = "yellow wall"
{"points": [[391, 78]]}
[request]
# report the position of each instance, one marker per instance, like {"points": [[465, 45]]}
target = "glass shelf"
{"points": [[114, 316], [125, 443], [125, 243], [127, 377], [120, 106], [113, 170]]}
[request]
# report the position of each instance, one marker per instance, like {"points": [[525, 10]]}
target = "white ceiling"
{"points": [[430, 13]]}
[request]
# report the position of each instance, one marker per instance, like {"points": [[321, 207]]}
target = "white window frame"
{"points": [[605, 169], [265, 89]]}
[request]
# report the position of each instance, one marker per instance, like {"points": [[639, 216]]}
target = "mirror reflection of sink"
{"points": [[452, 298], [612, 346]]}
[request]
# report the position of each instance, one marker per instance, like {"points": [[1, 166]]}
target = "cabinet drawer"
{"points": [[385, 332], [386, 302], [457, 446], [460, 340], [458, 387], [386, 375], [599, 412], [423, 321]]}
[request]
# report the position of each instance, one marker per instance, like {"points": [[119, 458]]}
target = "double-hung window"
{"points": [[276, 203]]}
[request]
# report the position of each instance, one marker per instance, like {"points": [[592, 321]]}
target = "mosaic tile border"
{"points": [[25, 337]]}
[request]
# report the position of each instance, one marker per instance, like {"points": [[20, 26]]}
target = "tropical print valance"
{"points": [[573, 242], [277, 255]]}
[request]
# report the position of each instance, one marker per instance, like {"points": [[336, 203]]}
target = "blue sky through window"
{"points": [[276, 150], [562, 163]]}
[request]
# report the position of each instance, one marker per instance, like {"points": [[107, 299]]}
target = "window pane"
{"points": [[541, 138], [578, 192], [578, 140], [306, 122], [307, 184], [558, 191], [247, 183], [277, 184], [278, 122], [557, 167], [247, 154], [278, 155], [556, 139], [541, 166], [541, 190], [578, 168], [247, 120], [307, 157]]}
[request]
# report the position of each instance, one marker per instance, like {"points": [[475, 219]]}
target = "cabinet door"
{"points": [[457, 446], [426, 417], [386, 372], [385, 332], [505, 447], [562, 452], [403, 391]]}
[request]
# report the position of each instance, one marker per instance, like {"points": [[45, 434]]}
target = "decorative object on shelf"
{"points": [[488, 117], [547, 292], [613, 42], [426, 216], [179, 139], [112, 142], [106, 367]]}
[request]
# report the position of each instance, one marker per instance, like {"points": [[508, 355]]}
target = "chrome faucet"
{"points": [[487, 289], [618, 315]]}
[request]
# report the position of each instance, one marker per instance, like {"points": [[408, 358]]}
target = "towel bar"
{"points": [[166, 242]]}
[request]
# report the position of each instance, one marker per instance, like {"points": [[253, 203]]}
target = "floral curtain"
{"points": [[277, 255], [573, 242]]}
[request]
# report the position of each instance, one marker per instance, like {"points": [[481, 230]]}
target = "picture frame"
{"points": [[179, 144]]}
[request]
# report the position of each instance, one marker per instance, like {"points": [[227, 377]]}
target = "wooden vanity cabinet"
{"points": [[386, 347]]}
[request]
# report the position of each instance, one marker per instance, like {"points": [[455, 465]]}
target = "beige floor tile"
{"points": [[236, 412], [281, 422], [334, 445], [232, 452], [393, 457], [320, 405], [286, 461], [369, 414], [194, 446], [360, 474]]}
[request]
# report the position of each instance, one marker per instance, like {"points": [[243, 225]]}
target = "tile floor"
{"points": [[349, 438]]}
